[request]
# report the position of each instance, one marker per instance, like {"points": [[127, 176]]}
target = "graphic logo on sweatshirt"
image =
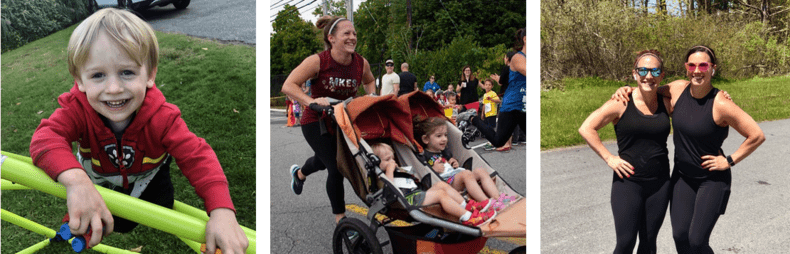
{"points": [[126, 151]]}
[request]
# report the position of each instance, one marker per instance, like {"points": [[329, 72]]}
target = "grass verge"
{"points": [[214, 86], [562, 112]]}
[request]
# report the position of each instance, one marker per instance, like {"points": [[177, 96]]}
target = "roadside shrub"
{"points": [[26, 21], [582, 38]]}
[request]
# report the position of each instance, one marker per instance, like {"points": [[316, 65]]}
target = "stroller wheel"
{"points": [[355, 237], [519, 250]]}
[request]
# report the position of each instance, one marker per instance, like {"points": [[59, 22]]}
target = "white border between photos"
{"points": [[262, 127], [533, 126]]}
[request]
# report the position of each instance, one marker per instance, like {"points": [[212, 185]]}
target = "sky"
{"points": [[307, 7]]}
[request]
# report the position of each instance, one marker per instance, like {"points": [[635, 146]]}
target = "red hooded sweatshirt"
{"points": [[156, 131]]}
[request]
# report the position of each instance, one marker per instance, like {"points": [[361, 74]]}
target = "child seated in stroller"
{"points": [[471, 213], [431, 133]]}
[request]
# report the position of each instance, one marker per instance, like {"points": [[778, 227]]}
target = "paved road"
{"points": [[576, 216], [304, 224], [230, 20]]}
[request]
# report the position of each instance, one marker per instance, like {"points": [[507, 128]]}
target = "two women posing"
{"points": [[699, 186]]}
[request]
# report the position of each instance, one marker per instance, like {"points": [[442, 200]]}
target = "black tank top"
{"points": [[642, 141], [696, 134]]}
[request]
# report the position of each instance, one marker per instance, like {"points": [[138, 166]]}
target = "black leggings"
{"points": [[506, 123], [638, 207], [325, 148], [696, 205]]}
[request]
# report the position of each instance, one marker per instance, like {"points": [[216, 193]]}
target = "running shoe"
{"points": [[480, 218], [296, 183], [483, 206], [488, 147], [514, 143], [467, 115]]}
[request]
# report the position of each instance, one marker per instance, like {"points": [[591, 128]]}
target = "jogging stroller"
{"points": [[468, 131], [411, 229]]}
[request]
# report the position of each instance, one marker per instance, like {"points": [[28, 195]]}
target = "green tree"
{"points": [[293, 40], [336, 8]]}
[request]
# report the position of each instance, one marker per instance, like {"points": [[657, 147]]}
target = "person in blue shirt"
{"points": [[431, 85]]}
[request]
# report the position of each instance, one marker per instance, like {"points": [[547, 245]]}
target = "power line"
{"points": [[449, 15], [299, 8], [272, 6], [300, 1], [289, 2]]}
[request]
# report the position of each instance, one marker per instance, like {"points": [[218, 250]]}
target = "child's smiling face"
{"points": [[113, 82], [436, 141]]}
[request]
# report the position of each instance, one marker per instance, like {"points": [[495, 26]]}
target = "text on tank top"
{"points": [[335, 81], [642, 141], [696, 133]]}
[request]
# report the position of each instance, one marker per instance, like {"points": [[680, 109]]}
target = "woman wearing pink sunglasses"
{"points": [[640, 182], [702, 177]]}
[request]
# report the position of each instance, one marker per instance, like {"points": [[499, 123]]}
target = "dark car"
{"points": [[137, 5]]}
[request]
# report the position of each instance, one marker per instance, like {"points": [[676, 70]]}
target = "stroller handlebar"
{"points": [[324, 109]]}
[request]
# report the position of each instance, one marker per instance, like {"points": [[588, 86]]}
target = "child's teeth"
{"points": [[116, 103]]}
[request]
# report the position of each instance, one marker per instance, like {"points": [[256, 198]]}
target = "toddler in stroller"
{"points": [[431, 134], [471, 213], [428, 228]]}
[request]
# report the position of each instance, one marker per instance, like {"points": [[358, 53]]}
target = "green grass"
{"points": [[562, 112], [214, 88]]}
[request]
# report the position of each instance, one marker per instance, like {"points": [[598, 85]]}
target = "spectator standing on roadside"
{"points": [[390, 82], [467, 86], [408, 82], [431, 85]]}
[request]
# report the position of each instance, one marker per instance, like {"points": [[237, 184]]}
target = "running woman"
{"points": [[512, 112], [335, 73]]}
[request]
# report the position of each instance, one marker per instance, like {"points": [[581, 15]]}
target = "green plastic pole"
{"points": [[8, 185], [119, 204], [192, 244], [110, 250], [200, 214], [27, 224], [23, 172], [35, 247]]}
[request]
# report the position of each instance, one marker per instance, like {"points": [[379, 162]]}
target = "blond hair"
{"points": [[379, 148], [135, 36]]}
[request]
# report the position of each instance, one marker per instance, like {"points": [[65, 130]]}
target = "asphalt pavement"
{"points": [[230, 20], [576, 215], [304, 223]]}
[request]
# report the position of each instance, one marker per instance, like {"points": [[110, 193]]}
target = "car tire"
{"points": [[181, 4]]}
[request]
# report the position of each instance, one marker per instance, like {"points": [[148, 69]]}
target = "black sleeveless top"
{"points": [[696, 134], [642, 141]]}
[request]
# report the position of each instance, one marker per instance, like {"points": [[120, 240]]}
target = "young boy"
{"points": [[127, 134], [472, 213], [490, 101]]}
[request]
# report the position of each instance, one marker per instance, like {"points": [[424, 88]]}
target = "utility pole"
{"points": [[350, 10]]}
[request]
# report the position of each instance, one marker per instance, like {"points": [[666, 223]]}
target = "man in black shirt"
{"points": [[408, 82]]}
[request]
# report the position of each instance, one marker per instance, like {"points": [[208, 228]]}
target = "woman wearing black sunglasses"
{"points": [[640, 183]]}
